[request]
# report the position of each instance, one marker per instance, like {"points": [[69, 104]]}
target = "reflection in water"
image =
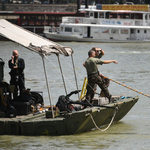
{"points": [[132, 132]]}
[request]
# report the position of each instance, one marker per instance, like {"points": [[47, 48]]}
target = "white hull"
{"points": [[74, 38], [103, 26]]}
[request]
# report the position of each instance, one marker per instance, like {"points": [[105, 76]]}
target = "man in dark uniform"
{"points": [[98, 54], [17, 66], [91, 65]]}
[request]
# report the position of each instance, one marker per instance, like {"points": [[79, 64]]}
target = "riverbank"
{"points": [[71, 7]]}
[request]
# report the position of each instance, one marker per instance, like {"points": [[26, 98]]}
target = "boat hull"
{"points": [[66, 123], [73, 38]]}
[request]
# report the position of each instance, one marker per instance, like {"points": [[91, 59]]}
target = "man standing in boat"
{"points": [[98, 54], [91, 65], [17, 66]]}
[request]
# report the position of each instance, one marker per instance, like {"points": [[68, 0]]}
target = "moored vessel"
{"points": [[114, 23]]}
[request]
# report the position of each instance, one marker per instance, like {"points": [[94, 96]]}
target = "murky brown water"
{"points": [[133, 70]]}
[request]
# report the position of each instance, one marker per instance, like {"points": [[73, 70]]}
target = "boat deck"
{"points": [[66, 123]]}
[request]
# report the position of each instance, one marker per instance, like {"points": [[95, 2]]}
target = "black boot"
{"points": [[110, 99]]}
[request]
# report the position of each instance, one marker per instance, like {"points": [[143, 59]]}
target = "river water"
{"points": [[133, 70]]}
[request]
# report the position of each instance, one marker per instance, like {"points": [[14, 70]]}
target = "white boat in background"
{"points": [[103, 26]]}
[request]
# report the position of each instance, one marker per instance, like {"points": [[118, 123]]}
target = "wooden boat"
{"points": [[99, 113]]}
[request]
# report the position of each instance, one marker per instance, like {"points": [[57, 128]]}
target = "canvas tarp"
{"points": [[30, 40]]}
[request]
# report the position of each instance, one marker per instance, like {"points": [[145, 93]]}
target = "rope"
{"points": [[108, 124], [60, 72], [79, 74], [129, 87]]}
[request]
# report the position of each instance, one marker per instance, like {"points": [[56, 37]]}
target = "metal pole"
{"points": [[75, 75], [47, 86], [62, 74]]}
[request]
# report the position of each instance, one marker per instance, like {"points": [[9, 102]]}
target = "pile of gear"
{"points": [[23, 104]]}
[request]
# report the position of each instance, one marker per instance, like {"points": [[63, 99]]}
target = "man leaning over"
{"points": [[94, 77]]}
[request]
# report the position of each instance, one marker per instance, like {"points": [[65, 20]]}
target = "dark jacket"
{"points": [[19, 70]]}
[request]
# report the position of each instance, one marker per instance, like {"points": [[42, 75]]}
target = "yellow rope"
{"points": [[129, 87], [112, 119], [86, 82]]}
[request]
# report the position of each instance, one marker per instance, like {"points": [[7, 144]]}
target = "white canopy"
{"points": [[30, 40]]}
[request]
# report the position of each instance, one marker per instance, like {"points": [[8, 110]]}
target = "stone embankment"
{"points": [[39, 7]]}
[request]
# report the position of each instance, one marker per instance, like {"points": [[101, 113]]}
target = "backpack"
{"points": [[62, 104]]}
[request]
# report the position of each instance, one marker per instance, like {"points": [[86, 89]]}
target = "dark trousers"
{"points": [[18, 81], [92, 81], [106, 81]]}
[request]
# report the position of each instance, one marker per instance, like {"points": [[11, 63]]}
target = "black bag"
{"points": [[5, 105], [62, 104], [1, 69]]}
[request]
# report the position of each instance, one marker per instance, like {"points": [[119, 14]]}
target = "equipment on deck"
{"points": [[1, 69]]}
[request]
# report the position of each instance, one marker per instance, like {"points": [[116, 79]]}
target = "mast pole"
{"points": [[75, 75], [62, 73], [47, 85]]}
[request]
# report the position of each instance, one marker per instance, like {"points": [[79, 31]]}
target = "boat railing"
{"points": [[103, 21], [51, 29], [80, 20], [72, 20]]}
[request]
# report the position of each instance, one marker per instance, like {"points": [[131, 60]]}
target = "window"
{"points": [[132, 31], [39, 17], [124, 31], [51, 17], [24, 17], [32, 17], [44, 17], [91, 14], [144, 31], [136, 16], [87, 14], [114, 31], [138, 31], [104, 30], [52, 23], [101, 15], [59, 18], [23, 23], [95, 14], [96, 30], [31, 23], [78, 30], [68, 29], [38, 23]]}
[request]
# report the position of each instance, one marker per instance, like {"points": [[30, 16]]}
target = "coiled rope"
{"points": [[112, 119], [129, 87]]}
